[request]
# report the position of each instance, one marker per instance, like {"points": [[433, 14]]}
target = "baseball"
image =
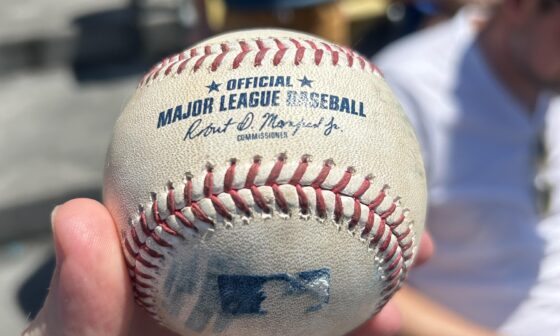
{"points": [[265, 182]]}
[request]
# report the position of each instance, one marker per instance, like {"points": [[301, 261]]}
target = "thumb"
{"points": [[89, 293]]}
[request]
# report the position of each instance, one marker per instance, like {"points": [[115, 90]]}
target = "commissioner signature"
{"points": [[268, 121]]}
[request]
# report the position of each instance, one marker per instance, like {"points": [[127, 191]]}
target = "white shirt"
{"points": [[479, 146], [539, 313]]}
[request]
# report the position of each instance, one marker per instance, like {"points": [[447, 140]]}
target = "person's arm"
{"points": [[423, 317]]}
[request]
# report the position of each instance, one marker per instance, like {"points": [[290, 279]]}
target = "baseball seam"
{"points": [[240, 192], [275, 51]]}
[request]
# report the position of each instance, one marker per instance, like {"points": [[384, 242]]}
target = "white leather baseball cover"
{"points": [[265, 182]]}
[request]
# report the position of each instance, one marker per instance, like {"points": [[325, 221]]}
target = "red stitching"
{"points": [[349, 57], [142, 284], [303, 200], [253, 171], [129, 248], [385, 243], [241, 49], [343, 181], [187, 192], [179, 58], [378, 235], [220, 57], [183, 65], [143, 275], [275, 172], [356, 215], [300, 170], [280, 53], [198, 63], [200, 215], [377, 201], [220, 208], [362, 62], [318, 56], [259, 199], [369, 225], [391, 253], [159, 221], [389, 211], [185, 221], [170, 198], [145, 262], [322, 175], [363, 188], [141, 295], [162, 64], [135, 238], [321, 206], [143, 221], [208, 182], [397, 255], [239, 58], [300, 51], [159, 240], [334, 53], [280, 199], [152, 252], [240, 203], [262, 52], [398, 221], [394, 274], [337, 208], [395, 262], [230, 173]]}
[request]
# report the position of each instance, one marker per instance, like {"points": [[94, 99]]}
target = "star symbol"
{"points": [[213, 87], [305, 81]]}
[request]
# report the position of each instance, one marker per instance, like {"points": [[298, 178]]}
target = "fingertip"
{"points": [[81, 207], [91, 280], [385, 323], [82, 224], [53, 215], [426, 249], [390, 320]]}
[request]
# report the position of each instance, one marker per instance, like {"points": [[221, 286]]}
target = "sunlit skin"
{"points": [[522, 45], [90, 292], [536, 48]]}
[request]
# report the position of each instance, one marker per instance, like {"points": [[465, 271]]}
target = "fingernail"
{"points": [[53, 214], [57, 248]]}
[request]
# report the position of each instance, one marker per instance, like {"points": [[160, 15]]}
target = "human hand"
{"points": [[90, 293]]}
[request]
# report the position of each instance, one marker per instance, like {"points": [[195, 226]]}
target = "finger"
{"points": [[386, 322], [426, 249], [89, 292], [144, 325]]}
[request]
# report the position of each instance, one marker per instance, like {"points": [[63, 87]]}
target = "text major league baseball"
{"points": [[270, 92]]}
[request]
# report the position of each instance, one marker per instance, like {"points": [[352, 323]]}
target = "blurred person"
{"points": [[477, 89], [426, 13], [539, 313], [437, 11], [323, 18], [193, 16], [404, 17], [90, 292]]}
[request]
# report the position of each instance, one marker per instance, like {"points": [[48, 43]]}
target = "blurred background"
{"points": [[66, 70]]}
